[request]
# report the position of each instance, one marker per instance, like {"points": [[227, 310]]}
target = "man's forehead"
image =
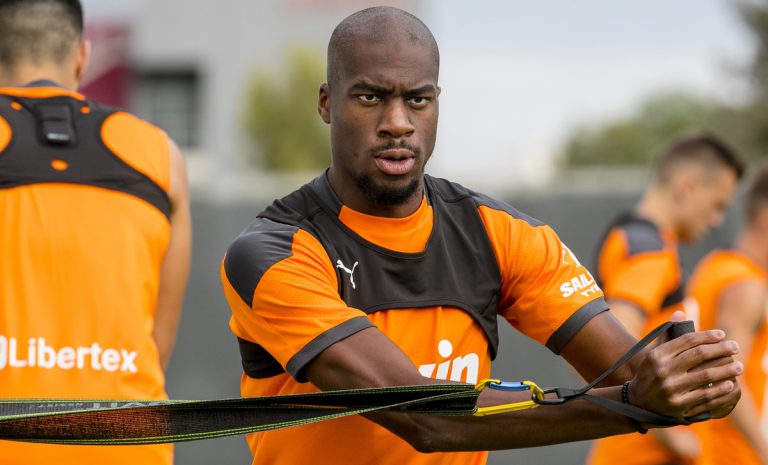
{"points": [[377, 61]]}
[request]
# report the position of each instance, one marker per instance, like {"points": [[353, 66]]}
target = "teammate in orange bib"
{"points": [[639, 269], [94, 237], [376, 274], [730, 288]]}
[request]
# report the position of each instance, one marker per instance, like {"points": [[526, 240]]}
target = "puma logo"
{"points": [[340, 264]]}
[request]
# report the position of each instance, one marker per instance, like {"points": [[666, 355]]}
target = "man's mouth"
{"points": [[396, 161]]}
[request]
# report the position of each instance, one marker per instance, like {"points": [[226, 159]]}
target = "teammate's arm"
{"points": [[175, 268], [739, 313]]}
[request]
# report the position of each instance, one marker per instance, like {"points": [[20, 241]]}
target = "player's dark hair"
{"points": [[757, 195], [703, 148], [375, 25], [38, 30]]}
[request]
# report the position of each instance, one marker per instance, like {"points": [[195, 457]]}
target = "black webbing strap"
{"points": [[675, 329], [112, 422], [115, 422]]}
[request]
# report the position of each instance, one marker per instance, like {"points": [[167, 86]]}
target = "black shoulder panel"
{"points": [[257, 362], [57, 130], [256, 249], [677, 296], [484, 200], [642, 236]]}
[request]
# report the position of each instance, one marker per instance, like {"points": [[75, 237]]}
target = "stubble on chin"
{"points": [[387, 195]]}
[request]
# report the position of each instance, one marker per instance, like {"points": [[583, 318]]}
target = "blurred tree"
{"points": [[281, 115], [750, 123], [635, 139]]}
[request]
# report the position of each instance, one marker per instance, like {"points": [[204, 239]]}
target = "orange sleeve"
{"points": [[546, 292], [643, 279], [282, 290]]}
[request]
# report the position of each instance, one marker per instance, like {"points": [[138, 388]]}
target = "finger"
{"points": [[719, 400], [697, 355], [687, 341], [707, 392], [678, 315], [698, 380], [717, 362]]}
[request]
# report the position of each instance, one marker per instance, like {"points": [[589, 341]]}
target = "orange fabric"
{"points": [[5, 134], [294, 292], [40, 92], [723, 444], [80, 277], [139, 144], [643, 279], [542, 282], [407, 235]]}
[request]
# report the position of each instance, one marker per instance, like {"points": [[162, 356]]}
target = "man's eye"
{"points": [[418, 102], [368, 98]]}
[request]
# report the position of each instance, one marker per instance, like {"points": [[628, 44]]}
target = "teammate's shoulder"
{"points": [[259, 246], [123, 120], [733, 261], [451, 191], [641, 235]]}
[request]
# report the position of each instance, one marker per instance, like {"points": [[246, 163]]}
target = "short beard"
{"points": [[386, 196]]}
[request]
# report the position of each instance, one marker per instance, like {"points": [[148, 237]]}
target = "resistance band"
{"points": [[115, 422]]}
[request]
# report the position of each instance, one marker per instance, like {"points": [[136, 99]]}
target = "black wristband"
{"points": [[625, 399]]}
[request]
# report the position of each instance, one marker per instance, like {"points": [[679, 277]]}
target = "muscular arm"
{"points": [[175, 268], [739, 313], [631, 316], [369, 358], [599, 344]]}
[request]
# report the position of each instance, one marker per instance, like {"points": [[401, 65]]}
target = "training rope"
{"points": [[122, 422]]}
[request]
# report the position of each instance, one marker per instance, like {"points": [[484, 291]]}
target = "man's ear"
{"points": [[684, 182], [83, 55], [324, 103]]}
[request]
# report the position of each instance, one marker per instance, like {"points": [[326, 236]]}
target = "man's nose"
{"points": [[395, 120]]}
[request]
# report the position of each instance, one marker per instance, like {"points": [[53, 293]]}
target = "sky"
{"points": [[518, 76]]}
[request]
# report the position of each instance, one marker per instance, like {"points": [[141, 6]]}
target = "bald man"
{"points": [[376, 274]]}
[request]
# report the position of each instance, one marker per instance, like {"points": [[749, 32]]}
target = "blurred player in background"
{"points": [[95, 235], [730, 288], [639, 269]]}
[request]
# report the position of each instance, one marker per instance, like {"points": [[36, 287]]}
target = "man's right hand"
{"points": [[692, 374]]}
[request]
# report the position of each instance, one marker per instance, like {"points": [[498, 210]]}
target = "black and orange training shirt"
{"points": [[309, 271]]}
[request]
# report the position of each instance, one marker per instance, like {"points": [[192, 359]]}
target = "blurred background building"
{"points": [[555, 106]]}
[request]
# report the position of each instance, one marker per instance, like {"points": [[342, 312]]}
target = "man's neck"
{"points": [[24, 74], [755, 244], [657, 207]]}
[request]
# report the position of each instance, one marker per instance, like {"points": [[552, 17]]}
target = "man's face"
{"points": [[383, 113], [705, 202]]}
